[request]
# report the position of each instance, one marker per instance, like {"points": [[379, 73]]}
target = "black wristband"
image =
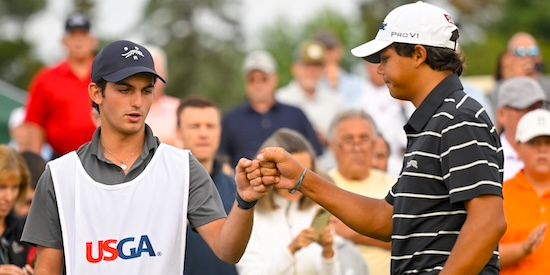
{"points": [[242, 204]]}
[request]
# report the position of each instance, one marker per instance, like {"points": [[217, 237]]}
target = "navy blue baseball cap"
{"points": [[77, 21], [122, 59]]}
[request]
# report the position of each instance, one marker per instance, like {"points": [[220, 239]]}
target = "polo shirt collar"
{"points": [[522, 181], [432, 102], [150, 145], [66, 70], [249, 108]]}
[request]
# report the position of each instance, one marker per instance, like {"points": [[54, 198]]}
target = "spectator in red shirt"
{"points": [[58, 107]]}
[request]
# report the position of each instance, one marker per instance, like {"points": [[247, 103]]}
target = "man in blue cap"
{"points": [[119, 204], [58, 108]]}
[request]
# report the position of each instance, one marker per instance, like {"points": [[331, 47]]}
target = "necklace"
{"points": [[122, 165]]}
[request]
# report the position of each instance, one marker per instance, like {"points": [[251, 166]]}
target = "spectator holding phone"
{"points": [[283, 240]]}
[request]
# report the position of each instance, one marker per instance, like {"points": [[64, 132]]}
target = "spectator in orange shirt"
{"points": [[525, 247]]}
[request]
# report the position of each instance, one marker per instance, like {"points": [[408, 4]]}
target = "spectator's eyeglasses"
{"points": [[526, 51], [348, 143]]}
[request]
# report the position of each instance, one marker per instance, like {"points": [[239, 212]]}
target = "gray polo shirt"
{"points": [[43, 226]]}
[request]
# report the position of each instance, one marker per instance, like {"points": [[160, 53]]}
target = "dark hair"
{"points": [[499, 66], [439, 59], [196, 102], [101, 84], [36, 165]]}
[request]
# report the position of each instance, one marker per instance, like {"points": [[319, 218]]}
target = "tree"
{"points": [[282, 38], [203, 42], [17, 62]]}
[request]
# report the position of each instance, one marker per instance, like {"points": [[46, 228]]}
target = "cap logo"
{"points": [[315, 51], [77, 20], [132, 53], [541, 122], [383, 26], [405, 34], [449, 19]]}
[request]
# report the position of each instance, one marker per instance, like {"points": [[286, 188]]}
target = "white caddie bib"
{"points": [[137, 227]]}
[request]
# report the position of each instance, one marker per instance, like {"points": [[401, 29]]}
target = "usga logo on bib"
{"points": [[111, 249]]}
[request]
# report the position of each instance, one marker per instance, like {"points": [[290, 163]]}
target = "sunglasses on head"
{"points": [[526, 51]]}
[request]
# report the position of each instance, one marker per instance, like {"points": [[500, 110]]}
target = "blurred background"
{"points": [[206, 40]]}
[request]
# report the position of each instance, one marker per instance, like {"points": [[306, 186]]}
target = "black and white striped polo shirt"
{"points": [[453, 155]]}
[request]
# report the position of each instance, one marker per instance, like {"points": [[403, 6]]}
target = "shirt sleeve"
{"points": [[471, 159], [205, 204], [43, 226]]}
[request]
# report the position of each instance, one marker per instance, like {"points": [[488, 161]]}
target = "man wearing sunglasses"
{"points": [[522, 58]]}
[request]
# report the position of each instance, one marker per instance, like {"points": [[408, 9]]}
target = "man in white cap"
{"points": [[450, 187], [525, 246], [516, 97], [247, 126]]}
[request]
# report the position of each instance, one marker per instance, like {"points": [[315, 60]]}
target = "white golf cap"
{"points": [[418, 23], [261, 61], [534, 124]]}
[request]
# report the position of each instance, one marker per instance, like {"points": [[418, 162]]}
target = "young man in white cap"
{"points": [[450, 188], [525, 246], [120, 203]]}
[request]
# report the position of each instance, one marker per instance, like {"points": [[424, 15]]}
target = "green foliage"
{"points": [[20, 9], [282, 38], [17, 62], [524, 15], [201, 60], [373, 13], [515, 16]]}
